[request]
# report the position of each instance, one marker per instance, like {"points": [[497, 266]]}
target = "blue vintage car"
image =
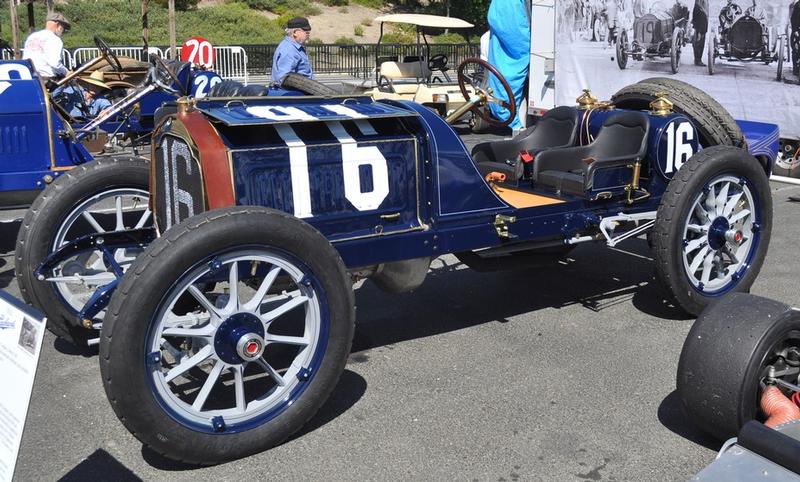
{"points": [[41, 145], [41, 141], [232, 325]]}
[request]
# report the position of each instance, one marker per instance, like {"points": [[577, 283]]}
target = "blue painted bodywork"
{"points": [[36, 144], [440, 201]]}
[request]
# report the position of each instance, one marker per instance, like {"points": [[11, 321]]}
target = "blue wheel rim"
{"points": [[257, 394], [721, 235]]}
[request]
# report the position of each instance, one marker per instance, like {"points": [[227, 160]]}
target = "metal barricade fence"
{"points": [[83, 54], [230, 62], [241, 62], [356, 60], [66, 57]]}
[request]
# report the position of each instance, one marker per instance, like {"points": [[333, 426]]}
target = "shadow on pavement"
{"points": [[672, 417], [63, 346], [100, 466], [456, 298], [8, 235], [348, 392]]}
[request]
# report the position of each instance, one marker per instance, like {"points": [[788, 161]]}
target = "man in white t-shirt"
{"points": [[44, 47]]}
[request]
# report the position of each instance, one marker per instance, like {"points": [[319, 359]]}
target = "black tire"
{"points": [[714, 124], [299, 82], [675, 50], [43, 220], [724, 358], [156, 274], [226, 88], [711, 53], [621, 47], [677, 211], [477, 125]]}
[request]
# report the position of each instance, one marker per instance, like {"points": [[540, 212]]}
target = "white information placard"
{"points": [[21, 334]]}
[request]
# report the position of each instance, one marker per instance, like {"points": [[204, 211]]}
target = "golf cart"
{"points": [[423, 78]]}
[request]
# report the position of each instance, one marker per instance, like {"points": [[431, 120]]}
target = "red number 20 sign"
{"points": [[198, 50]]}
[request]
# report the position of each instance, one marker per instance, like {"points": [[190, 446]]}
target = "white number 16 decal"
{"points": [[353, 157], [679, 147]]}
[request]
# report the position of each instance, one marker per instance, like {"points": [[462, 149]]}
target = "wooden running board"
{"points": [[522, 199]]}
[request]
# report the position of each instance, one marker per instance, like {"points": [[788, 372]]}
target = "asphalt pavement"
{"points": [[564, 373]]}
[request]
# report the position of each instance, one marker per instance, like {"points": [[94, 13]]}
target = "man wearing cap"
{"points": [[291, 56], [44, 47]]}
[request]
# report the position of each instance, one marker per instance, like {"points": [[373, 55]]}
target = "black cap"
{"points": [[299, 22]]}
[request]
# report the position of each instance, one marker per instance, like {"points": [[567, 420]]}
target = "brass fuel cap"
{"points": [[661, 106], [586, 100], [185, 105]]}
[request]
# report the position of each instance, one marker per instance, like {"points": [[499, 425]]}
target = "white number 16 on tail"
{"points": [[680, 145]]}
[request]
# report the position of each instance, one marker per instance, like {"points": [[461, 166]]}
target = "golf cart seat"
{"points": [[403, 77], [556, 129], [621, 141]]}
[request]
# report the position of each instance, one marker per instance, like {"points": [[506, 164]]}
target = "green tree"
{"points": [[473, 11], [181, 5]]}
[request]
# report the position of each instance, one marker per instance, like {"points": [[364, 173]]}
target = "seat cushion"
{"points": [[563, 181]]}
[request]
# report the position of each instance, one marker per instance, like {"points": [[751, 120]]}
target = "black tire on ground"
{"points": [[299, 82], [133, 311], [677, 210], [714, 124], [43, 220], [724, 357], [519, 260]]}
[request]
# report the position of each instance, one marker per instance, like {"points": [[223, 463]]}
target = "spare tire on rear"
{"points": [[299, 82], [715, 125]]}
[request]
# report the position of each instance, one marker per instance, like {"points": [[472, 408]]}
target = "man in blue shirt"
{"points": [[291, 56]]}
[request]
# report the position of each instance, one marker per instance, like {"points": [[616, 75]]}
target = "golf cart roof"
{"points": [[425, 20]]}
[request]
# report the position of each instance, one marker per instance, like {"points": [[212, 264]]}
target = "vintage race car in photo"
{"points": [[231, 328], [746, 37], [655, 34]]}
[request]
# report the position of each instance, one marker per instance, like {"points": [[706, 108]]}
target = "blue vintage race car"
{"points": [[233, 324], [41, 145], [41, 140]]}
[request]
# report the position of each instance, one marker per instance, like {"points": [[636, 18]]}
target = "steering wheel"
{"points": [[485, 93], [163, 76], [437, 62], [106, 52]]}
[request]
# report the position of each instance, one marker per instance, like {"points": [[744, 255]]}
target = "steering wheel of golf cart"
{"points": [[479, 83], [106, 52], [437, 62]]}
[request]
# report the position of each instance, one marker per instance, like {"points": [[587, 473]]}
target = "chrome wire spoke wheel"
{"points": [[237, 341], [77, 278], [720, 235]]}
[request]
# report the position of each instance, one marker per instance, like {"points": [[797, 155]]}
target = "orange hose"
{"points": [[778, 408]]}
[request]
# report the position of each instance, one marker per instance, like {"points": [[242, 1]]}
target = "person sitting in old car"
{"points": [[680, 13], [88, 100], [291, 55], [728, 14]]}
